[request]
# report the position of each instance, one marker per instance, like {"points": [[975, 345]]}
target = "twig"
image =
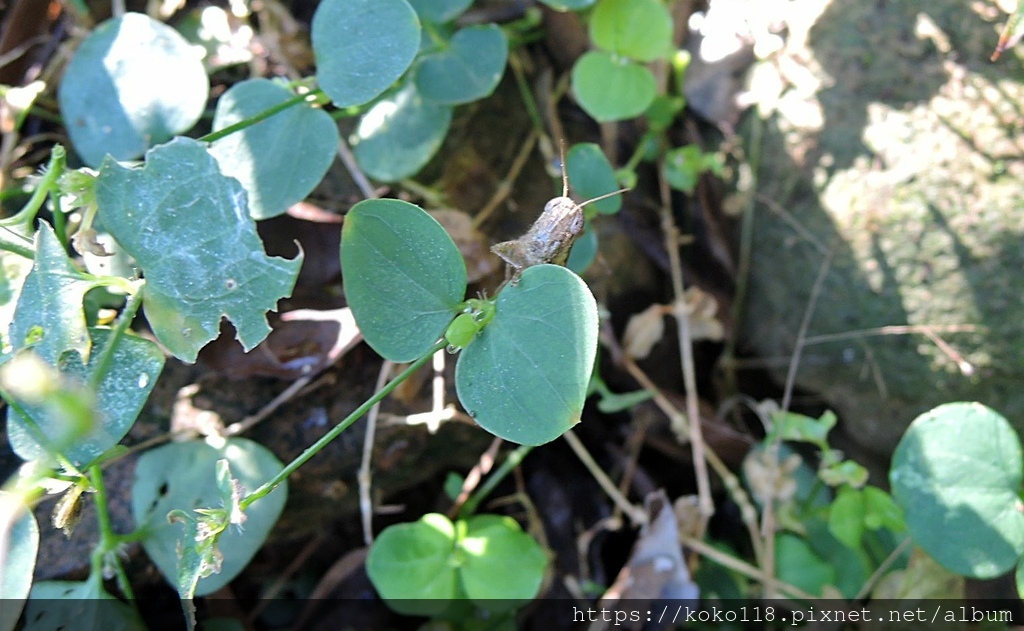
{"points": [[365, 475], [504, 188], [707, 506], [636, 514], [349, 160], [742, 567], [482, 467], [812, 302]]}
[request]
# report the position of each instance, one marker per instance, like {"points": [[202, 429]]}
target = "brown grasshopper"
{"points": [[550, 238]]}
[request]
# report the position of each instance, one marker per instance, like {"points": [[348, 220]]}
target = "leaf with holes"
{"points": [[188, 228], [525, 377], [132, 84], [279, 160], [123, 376], [183, 476], [404, 278], [362, 47]]}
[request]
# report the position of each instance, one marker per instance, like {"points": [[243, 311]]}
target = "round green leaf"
{"points": [[400, 134], [610, 88], [61, 605], [800, 566], [440, 11], [591, 176], [525, 377], [362, 47], [182, 476], [638, 29], [404, 277], [467, 69], [503, 566], [126, 377], [20, 540], [583, 251], [846, 516], [568, 5], [411, 565], [134, 83], [278, 160], [956, 473]]}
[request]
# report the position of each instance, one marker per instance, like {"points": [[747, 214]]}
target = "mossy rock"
{"points": [[898, 147]]}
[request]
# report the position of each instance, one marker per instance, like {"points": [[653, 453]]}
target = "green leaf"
{"points": [[956, 473], [404, 277], [880, 511], [569, 5], [188, 228], [132, 84], [362, 47], [638, 29], [583, 251], [525, 377], [19, 538], [684, 165], [610, 88], [467, 69], [123, 379], [800, 566], [797, 427], [400, 134], [411, 567], [503, 566], [14, 269], [613, 403], [440, 11], [61, 605], [183, 476], [280, 160], [846, 516], [51, 303], [592, 176]]}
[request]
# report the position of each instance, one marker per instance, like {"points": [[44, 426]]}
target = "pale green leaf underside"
{"points": [[525, 376], [189, 229], [183, 476]]}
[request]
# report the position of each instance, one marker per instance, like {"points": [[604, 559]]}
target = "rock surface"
{"points": [[892, 143]]}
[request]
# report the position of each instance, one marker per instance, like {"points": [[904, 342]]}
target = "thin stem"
{"points": [[256, 118], [109, 540], [514, 458], [116, 333], [365, 475], [819, 282], [53, 170], [315, 448], [10, 242], [637, 516]]}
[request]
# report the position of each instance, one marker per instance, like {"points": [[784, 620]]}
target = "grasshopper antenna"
{"points": [[605, 196], [565, 174]]}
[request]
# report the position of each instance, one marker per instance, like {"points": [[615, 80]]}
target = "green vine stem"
{"points": [[514, 458], [106, 549], [116, 333], [47, 184], [265, 114], [313, 449]]}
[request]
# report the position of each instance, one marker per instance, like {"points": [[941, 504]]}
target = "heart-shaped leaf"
{"points": [[189, 229], [525, 376], [278, 160], [467, 69], [400, 134], [129, 372], [610, 88], [956, 473], [60, 605], [183, 476], [362, 47], [132, 84], [503, 566], [404, 277]]}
